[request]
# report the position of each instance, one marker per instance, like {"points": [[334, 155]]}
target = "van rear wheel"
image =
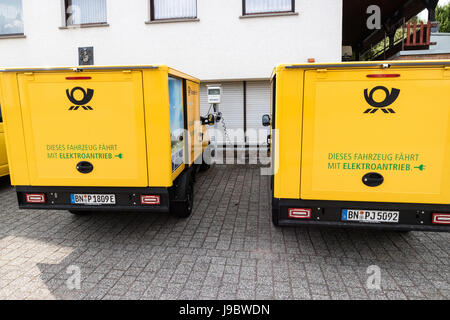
{"points": [[275, 214], [204, 166], [183, 203]]}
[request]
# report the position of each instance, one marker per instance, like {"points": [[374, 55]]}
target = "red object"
{"points": [[311, 60], [385, 75], [441, 218], [300, 213], [418, 34], [36, 198], [150, 200], [78, 78]]}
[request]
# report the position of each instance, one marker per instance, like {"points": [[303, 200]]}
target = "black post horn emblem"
{"points": [[390, 99], [87, 97]]}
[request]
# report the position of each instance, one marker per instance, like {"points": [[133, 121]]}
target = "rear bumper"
{"points": [[329, 213], [127, 199]]}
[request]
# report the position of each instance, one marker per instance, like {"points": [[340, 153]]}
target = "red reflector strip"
{"points": [[391, 75], [78, 78], [152, 200], [300, 213], [441, 218], [36, 198]]}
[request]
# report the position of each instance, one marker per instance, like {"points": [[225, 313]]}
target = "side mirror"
{"points": [[266, 120]]}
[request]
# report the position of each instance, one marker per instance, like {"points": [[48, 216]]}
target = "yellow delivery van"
{"points": [[4, 169], [361, 145], [85, 139]]}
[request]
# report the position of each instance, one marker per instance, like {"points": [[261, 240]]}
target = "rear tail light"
{"points": [[297, 213], [150, 200], [384, 75], [35, 198], [78, 78], [441, 218]]}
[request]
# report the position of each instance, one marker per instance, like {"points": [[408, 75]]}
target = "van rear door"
{"points": [[377, 135], [84, 129]]}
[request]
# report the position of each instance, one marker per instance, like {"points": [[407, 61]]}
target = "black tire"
{"points": [[275, 215], [80, 213], [275, 208], [204, 166], [182, 205]]}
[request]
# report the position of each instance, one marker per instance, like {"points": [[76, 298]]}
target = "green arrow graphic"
{"points": [[421, 167], [120, 156]]}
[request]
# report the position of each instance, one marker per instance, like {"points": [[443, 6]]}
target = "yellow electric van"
{"points": [[108, 138], [362, 145]]}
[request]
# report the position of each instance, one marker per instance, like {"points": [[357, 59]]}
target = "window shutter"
{"points": [[174, 9], [11, 17], [267, 6], [86, 11]]}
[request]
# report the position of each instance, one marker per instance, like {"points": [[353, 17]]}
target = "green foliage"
{"points": [[443, 16]]}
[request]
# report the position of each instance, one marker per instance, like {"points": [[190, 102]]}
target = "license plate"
{"points": [[93, 199], [370, 216]]}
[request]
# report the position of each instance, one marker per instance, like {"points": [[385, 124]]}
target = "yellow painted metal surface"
{"points": [[14, 134], [195, 138], [4, 168], [157, 123], [60, 133], [122, 127], [288, 135], [351, 125]]}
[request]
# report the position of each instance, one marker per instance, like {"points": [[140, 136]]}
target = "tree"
{"points": [[443, 16]]}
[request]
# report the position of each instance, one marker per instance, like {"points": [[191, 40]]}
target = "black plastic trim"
{"points": [[127, 199], [368, 65], [413, 216], [80, 69]]}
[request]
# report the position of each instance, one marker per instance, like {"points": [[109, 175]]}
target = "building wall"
{"points": [[439, 50], [220, 46], [423, 57]]}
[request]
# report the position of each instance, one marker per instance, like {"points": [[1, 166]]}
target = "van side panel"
{"points": [[4, 169], [287, 139], [157, 124], [14, 133], [193, 124]]}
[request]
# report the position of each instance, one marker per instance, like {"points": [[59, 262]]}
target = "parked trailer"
{"points": [[362, 145], [86, 139]]}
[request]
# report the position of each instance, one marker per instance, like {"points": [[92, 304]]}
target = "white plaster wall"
{"points": [[221, 46]]}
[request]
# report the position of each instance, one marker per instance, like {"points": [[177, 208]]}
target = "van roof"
{"points": [[363, 64], [171, 71]]}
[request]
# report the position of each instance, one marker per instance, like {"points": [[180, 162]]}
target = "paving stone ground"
{"points": [[228, 249]]}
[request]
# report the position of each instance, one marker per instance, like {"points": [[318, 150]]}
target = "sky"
{"points": [[424, 14]]}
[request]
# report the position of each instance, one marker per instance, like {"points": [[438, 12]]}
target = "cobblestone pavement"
{"points": [[228, 249]]}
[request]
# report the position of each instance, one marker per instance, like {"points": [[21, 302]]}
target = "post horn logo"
{"points": [[390, 99], [87, 97], [192, 92]]}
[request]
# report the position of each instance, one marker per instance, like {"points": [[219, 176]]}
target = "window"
{"points": [[267, 6], [11, 17], [176, 121], [79, 12], [173, 9]]}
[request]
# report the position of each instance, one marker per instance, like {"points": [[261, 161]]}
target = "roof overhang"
{"points": [[355, 30]]}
